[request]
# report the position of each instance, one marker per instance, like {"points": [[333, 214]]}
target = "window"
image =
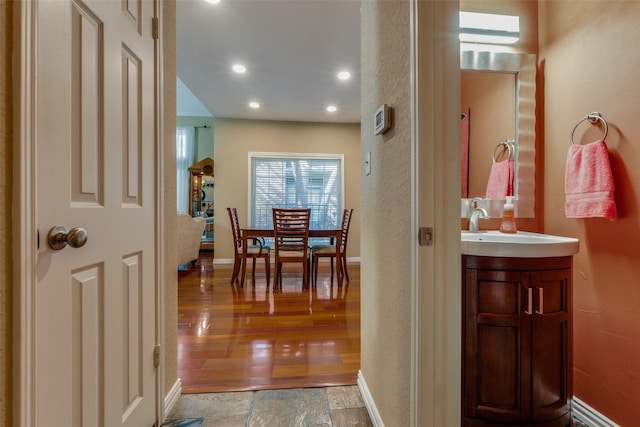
{"points": [[184, 159], [296, 180]]}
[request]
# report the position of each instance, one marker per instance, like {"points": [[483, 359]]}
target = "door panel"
{"points": [[551, 368], [95, 144], [87, 285], [496, 361], [87, 139]]}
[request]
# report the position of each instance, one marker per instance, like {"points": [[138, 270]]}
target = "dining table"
{"points": [[254, 231]]}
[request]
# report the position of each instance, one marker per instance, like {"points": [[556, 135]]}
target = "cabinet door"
{"points": [[497, 346], [551, 344]]}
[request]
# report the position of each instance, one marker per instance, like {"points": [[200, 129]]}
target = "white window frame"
{"points": [[301, 156]]}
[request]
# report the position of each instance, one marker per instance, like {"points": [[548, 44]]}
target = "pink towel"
{"points": [[500, 184], [588, 182]]}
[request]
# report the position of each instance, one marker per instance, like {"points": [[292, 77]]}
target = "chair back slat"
{"points": [[346, 222], [291, 229], [235, 228], [241, 254]]}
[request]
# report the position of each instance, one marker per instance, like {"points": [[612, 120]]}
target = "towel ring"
{"points": [[507, 144], [593, 118]]}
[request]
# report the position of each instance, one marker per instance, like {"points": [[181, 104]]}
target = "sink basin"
{"points": [[520, 245]]}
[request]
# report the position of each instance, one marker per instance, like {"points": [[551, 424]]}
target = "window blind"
{"points": [[287, 181]]}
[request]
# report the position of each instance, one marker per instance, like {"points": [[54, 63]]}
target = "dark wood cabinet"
{"points": [[516, 341]]}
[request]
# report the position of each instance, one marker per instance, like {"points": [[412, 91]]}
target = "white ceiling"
{"points": [[292, 49]]}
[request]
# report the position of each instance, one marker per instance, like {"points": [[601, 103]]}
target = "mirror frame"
{"points": [[524, 67]]}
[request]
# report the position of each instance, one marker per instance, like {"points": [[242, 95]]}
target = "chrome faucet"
{"points": [[476, 212]]}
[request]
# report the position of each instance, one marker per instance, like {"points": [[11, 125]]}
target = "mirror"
{"points": [[517, 71]]}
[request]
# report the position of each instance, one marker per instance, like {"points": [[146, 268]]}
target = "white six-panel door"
{"points": [[95, 139]]}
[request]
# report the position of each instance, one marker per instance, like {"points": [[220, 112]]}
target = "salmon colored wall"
{"points": [[589, 56]]}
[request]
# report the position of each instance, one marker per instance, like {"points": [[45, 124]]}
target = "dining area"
{"points": [[291, 237], [267, 313], [290, 321]]}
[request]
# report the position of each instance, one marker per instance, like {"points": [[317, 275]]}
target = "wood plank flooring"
{"points": [[254, 338]]}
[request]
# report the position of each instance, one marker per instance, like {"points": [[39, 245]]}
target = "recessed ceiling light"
{"points": [[213, 1], [344, 75], [239, 68], [254, 104], [332, 108]]}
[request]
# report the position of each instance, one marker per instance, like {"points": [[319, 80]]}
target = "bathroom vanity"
{"points": [[517, 334]]}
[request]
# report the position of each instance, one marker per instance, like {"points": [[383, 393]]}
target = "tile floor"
{"points": [[300, 407]]}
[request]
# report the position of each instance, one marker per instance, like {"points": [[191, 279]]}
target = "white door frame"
{"points": [[25, 232], [435, 276], [160, 212]]}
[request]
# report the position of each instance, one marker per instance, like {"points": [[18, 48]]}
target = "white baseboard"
{"points": [[589, 416], [222, 261], [172, 397], [376, 419]]}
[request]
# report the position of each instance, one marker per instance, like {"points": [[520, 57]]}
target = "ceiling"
{"points": [[293, 50]]}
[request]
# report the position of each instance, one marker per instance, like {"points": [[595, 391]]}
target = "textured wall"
{"points": [[170, 314], [6, 141], [589, 52], [236, 138], [386, 206]]}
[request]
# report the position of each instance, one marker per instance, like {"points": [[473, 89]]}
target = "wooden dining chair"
{"points": [[257, 250], [291, 235], [329, 251]]}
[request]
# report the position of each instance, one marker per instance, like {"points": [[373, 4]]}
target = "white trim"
{"points": [[171, 399], [435, 270], [24, 214], [160, 413], [376, 419], [277, 155], [416, 368], [589, 416], [350, 260]]}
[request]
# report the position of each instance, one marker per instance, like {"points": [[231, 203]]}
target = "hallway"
{"points": [[252, 338]]}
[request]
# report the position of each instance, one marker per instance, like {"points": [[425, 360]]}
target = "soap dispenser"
{"points": [[508, 224]]}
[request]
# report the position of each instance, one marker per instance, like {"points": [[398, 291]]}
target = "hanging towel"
{"points": [[588, 182], [500, 184]]}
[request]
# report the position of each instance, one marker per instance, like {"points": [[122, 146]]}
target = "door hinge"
{"points": [[156, 356], [425, 236], [155, 27]]}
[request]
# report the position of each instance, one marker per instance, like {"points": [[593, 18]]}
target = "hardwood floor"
{"points": [[254, 338]]}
